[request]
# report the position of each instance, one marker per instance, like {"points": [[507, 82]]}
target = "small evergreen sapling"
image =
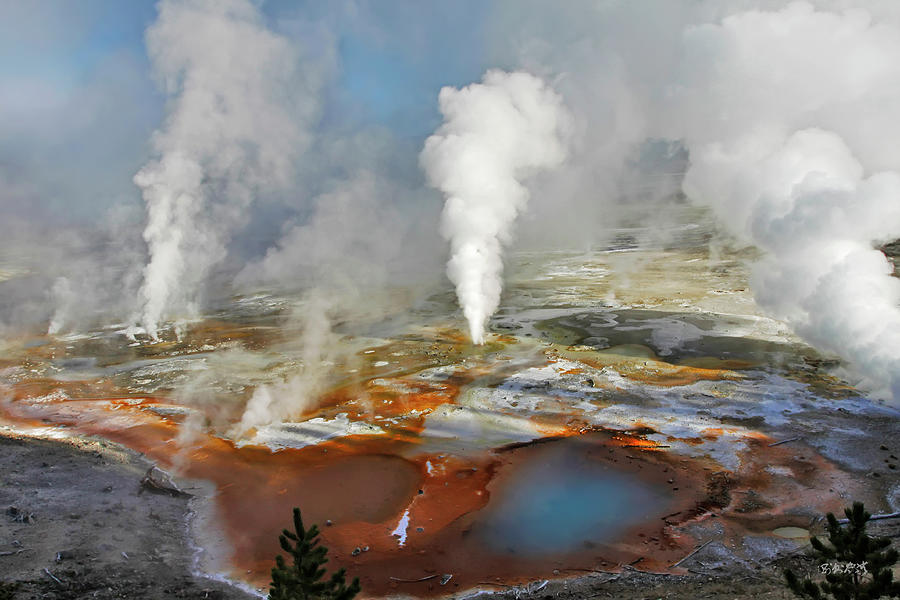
{"points": [[8, 590], [302, 580], [872, 578]]}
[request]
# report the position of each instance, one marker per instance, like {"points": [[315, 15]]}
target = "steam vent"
{"points": [[509, 299]]}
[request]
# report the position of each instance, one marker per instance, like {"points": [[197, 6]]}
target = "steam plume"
{"points": [[494, 134], [277, 402], [237, 121], [794, 171], [787, 115]]}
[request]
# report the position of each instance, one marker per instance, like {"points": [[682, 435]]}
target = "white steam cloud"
{"points": [[789, 113], [238, 119], [277, 402], [495, 133], [798, 162]]}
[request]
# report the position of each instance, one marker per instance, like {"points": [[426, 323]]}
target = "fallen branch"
{"points": [[426, 578], [532, 587], [52, 576], [693, 552], [696, 572], [630, 568], [893, 515], [12, 552], [586, 570], [793, 439]]}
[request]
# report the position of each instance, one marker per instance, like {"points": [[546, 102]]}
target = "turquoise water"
{"points": [[564, 502]]}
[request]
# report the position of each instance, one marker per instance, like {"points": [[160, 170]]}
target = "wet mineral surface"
{"points": [[628, 407]]}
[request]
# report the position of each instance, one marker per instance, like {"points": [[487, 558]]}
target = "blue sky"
{"points": [[78, 101]]}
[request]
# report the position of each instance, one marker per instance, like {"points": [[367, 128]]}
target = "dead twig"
{"points": [[893, 515], [793, 439], [586, 570], [426, 578], [52, 576], [630, 568], [696, 572], [693, 552], [533, 587], [12, 552]]}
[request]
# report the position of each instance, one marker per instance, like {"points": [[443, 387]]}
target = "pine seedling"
{"points": [[857, 566], [302, 580]]}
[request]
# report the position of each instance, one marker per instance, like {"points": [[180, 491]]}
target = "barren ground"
{"points": [[82, 519], [95, 532]]}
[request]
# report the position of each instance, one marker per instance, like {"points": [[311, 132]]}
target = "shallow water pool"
{"points": [[564, 502]]}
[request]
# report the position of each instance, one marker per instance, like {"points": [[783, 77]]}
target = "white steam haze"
{"points": [[238, 119], [495, 133], [800, 162], [353, 246], [278, 402], [789, 113], [285, 161]]}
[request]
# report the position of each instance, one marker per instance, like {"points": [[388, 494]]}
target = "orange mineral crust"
{"points": [[649, 370], [416, 516], [449, 524], [396, 512]]}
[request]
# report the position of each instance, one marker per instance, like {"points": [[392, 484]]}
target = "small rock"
{"points": [[158, 481], [365, 548], [356, 551], [64, 555], [420, 529], [328, 523], [20, 516], [556, 571]]}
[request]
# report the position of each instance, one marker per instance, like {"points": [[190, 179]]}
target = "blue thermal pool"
{"points": [[567, 501]]}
